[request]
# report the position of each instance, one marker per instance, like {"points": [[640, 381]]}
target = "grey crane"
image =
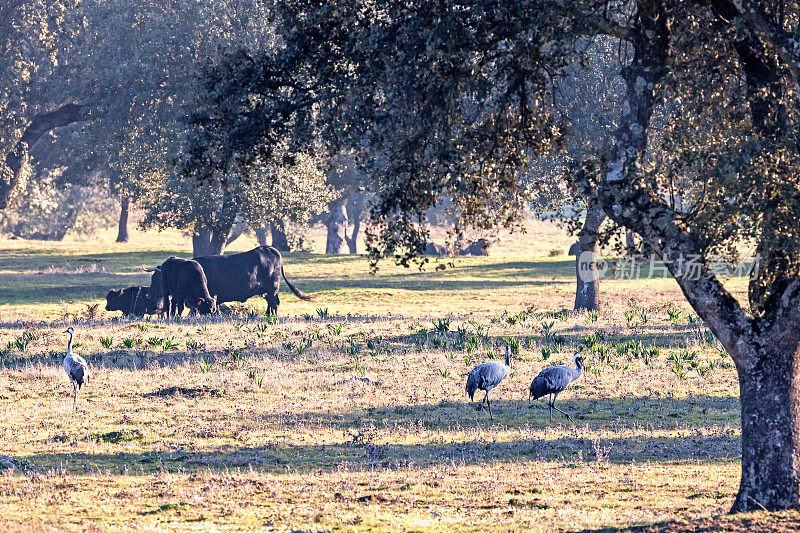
{"points": [[76, 368], [487, 376], [553, 380]]}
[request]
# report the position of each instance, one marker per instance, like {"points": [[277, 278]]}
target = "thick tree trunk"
{"points": [[122, 233], [770, 396], [217, 243], [201, 243], [352, 240], [586, 272], [279, 240], [336, 223], [17, 159], [261, 236]]}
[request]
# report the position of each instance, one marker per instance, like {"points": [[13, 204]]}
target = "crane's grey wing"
{"points": [[78, 370], [492, 374], [551, 380]]}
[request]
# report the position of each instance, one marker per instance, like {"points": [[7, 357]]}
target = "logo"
{"points": [[591, 267]]}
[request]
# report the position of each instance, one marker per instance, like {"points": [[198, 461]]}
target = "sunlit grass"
{"points": [[356, 418]]}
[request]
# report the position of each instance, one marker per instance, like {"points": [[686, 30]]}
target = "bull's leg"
{"points": [[272, 303], [179, 305]]}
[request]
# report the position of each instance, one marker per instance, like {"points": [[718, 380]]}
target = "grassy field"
{"points": [[349, 412]]}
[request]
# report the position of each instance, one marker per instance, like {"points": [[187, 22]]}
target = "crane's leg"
{"points": [[559, 410], [550, 406], [486, 400], [489, 406], [75, 396]]}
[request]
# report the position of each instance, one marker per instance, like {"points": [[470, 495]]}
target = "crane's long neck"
{"points": [[69, 343], [508, 359], [579, 364]]}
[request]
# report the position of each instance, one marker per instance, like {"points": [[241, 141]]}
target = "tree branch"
{"points": [[40, 125]]}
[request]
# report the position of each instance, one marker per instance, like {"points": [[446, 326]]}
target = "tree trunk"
{"points": [[586, 272], [261, 236], [352, 240], [630, 243], [122, 234], [770, 396], [17, 159], [201, 243], [336, 223], [279, 240], [217, 243]]}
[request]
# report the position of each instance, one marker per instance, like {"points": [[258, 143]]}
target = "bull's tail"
{"points": [[297, 292]]}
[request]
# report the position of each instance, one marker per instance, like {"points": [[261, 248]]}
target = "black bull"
{"points": [[238, 277]]}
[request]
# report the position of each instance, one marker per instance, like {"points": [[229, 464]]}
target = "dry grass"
{"points": [[358, 420]]}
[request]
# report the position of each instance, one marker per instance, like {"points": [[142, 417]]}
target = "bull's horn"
{"points": [[148, 269]]}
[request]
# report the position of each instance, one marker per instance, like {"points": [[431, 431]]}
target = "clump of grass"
{"points": [[546, 353], [554, 253], [92, 311], [22, 342], [106, 342], [674, 315], [441, 325], [169, 344], [155, 342], [192, 344], [322, 313], [335, 329], [129, 342], [592, 316], [205, 366]]}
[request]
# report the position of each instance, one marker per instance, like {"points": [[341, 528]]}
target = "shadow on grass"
{"points": [[758, 522], [364, 436], [363, 454]]}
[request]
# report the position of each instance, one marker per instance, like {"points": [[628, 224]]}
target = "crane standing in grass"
{"points": [[76, 368], [553, 380], [487, 376]]}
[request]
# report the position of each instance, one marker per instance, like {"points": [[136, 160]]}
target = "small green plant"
{"points": [[22, 342], [169, 344], [644, 315], [603, 353], [270, 319], [77, 345], [352, 348], [441, 325], [546, 352], [630, 317], [547, 326], [202, 330], [674, 315], [513, 345], [205, 366], [308, 317], [192, 344], [128, 342], [106, 342], [155, 342], [142, 327], [592, 316], [322, 313], [554, 253], [335, 329], [444, 372]]}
